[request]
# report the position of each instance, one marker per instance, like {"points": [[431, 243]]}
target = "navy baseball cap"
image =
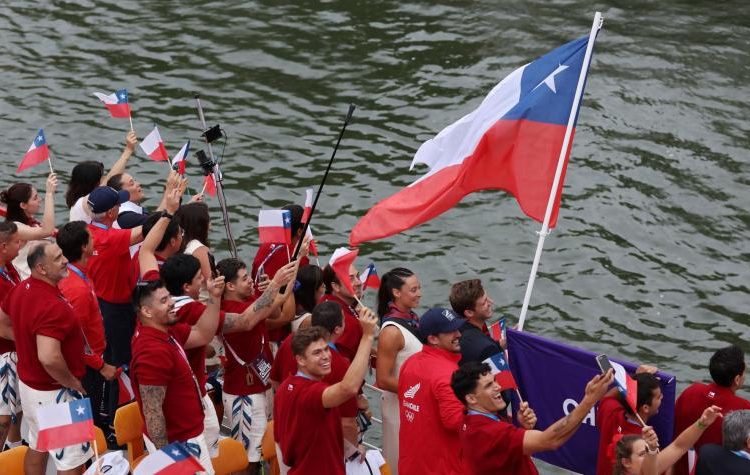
{"points": [[439, 320], [104, 198]]}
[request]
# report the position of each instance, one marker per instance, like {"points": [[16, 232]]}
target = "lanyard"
{"points": [[185, 358], [237, 357], [78, 272], [303, 375], [7, 276], [99, 225], [472, 412]]}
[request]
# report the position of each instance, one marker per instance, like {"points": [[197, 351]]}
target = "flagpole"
{"points": [[96, 456], [130, 118], [595, 27], [49, 160]]}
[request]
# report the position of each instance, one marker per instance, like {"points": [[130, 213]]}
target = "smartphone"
{"points": [[604, 363], [212, 264]]}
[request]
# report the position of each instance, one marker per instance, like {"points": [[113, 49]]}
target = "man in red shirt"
{"points": [[491, 445], [10, 404], [431, 415], [335, 292], [50, 350], [77, 246], [108, 271], [615, 417], [727, 368], [307, 424]]}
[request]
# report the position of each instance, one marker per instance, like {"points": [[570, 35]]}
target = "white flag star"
{"points": [[550, 80], [80, 410]]}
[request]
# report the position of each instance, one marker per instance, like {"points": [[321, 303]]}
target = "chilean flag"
{"points": [[628, 386], [275, 226], [153, 146], [116, 103], [36, 154], [172, 459], [313, 245], [64, 424], [180, 160], [512, 142], [500, 369], [340, 262], [308, 205], [209, 184], [125, 387], [369, 277]]}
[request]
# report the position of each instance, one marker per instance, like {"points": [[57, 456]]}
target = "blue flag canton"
{"points": [[176, 451], [548, 85], [499, 360], [80, 410], [122, 96], [286, 217], [39, 139]]}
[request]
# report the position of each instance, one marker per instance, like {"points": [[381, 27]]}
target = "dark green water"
{"points": [[649, 260]]}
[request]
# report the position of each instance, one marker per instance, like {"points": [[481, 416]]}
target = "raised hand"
{"points": [[51, 184], [650, 437], [131, 140], [597, 387], [526, 416], [709, 416], [368, 320], [215, 287], [285, 274]]}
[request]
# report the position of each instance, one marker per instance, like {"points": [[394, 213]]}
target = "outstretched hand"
{"points": [[526, 416], [215, 287], [710, 415], [597, 387], [285, 274], [650, 437]]}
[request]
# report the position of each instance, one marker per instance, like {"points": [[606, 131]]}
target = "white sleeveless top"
{"points": [[411, 345]]}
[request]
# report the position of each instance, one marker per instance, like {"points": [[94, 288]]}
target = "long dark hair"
{"points": [[194, 219], [83, 179], [13, 197], [391, 280], [310, 278]]}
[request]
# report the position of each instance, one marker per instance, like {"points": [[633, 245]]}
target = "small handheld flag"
{"points": [[369, 277], [209, 185], [36, 154], [275, 226], [313, 245], [172, 459], [627, 386], [126, 393], [64, 424], [500, 369], [308, 205], [153, 146], [340, 262], [180, 160], [116, 103]]}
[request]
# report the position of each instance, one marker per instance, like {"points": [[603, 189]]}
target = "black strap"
{"points": [[406, 323]]}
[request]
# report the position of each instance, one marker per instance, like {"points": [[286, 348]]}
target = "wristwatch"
{"points": [[165, 214]]}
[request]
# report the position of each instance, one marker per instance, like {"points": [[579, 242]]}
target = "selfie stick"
{"points": [[320, 188], [218, 179]]}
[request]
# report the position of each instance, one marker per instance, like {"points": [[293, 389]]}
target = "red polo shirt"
{"points": [[493, 447], [79, 291], [135, 266], [9, 278], [158, 360], [309, 435], [109, 267], [38, 308], [611, 419], [190, 313], [431, 415], [690, 406], [248, 346], [348, 342]]}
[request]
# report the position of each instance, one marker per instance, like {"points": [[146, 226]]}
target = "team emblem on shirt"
{"points": [[412, 391]]}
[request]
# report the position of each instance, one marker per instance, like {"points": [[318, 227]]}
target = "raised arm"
{"points": [[119, 167], [47, 229], [152, 401], [562, 430], [203, 332], [687, 439], [50, 355], [265, 304], [348, 387], [146, 257]]}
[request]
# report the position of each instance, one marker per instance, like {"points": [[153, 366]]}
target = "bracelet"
{"points": [[700, 424], [165, 214], [652, 452]]}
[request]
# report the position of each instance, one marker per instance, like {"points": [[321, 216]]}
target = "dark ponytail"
{"points": [[13, 197], [390, 281]]}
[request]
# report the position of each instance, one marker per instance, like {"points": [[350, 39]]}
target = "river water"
{"points": [[649, 259]]}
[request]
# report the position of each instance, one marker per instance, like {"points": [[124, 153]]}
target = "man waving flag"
{"points": [[511, 142]]}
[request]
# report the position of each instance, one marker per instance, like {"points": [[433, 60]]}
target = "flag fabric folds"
{"points": [[369, 277], [180, 160], [313, 245], [116, 103], [500, 369], [340, 262], [153, 146], [64, 424], [627, 386], [172, 459], [275, 226], [209, 184], [125, 387], [308, 205], [36, 154], [512, 142]]}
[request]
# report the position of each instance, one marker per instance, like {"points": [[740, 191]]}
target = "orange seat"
{"points": [[268, 450], [101, 441], [129, 431], [232, 457], [11, 461]]}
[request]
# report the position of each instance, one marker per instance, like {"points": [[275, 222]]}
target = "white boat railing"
{"points": [[377, 391]]}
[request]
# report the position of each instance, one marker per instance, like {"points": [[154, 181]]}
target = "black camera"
{"points": [[205, 162]]}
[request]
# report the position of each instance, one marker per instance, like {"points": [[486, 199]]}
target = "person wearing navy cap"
{"points": [[431, 415]]}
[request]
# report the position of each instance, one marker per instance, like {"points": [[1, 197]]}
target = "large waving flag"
{"points": [[275, 226], [340, 262], [64, 424], [180, 160], [308, 205], [36, 154], [116, 103], [153, 146], [512, 142], [369, 277], [172, 459], [501, 371]]}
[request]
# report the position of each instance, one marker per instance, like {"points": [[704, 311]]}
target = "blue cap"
{"points": [[439, 320], [104, 198]]}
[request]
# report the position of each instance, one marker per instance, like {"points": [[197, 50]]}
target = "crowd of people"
{"points": [[121, 289]]}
